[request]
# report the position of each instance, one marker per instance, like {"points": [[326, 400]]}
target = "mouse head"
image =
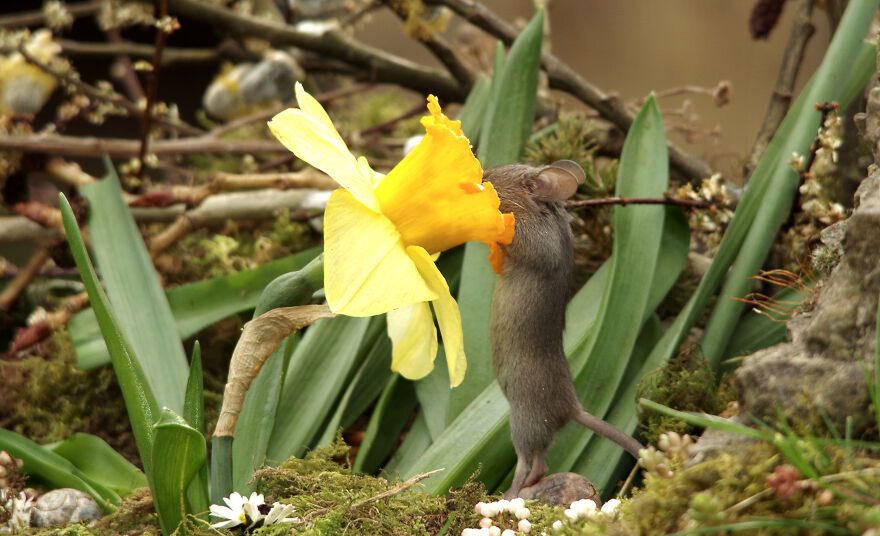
{"points": [[526, 190], [542, 236]]}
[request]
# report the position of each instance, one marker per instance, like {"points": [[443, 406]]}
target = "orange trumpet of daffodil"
{"points": [[382, 233]]}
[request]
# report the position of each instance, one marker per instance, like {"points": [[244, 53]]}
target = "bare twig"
{"points": [[114, 98], [90, 146], [623, 201], [396, 490], [264, 115], [382, 66], [437, 45], [162, 33], [259, 205], [801, 31], [39, 331], [23, 278], [308, 178], [170, 56], [564, 78], [38, 18], [68, 172], [124, 69]]}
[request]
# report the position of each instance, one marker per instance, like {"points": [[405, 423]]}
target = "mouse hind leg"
{"points": [[539, 469], [520, 475]]}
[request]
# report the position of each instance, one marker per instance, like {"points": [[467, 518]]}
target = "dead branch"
{"points": [[265, 115], [68, 172], [564, 78], [163, 30], [95, 147], [623, 201], [113, 98], [28, 336], [123, 70], [23, 278], [438, 46], [38, 18], [334, 44], [170, 56], [792, 59]]}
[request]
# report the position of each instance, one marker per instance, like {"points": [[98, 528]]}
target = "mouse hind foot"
{"points": [[527, 473]]}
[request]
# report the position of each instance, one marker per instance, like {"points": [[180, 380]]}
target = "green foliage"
{"points": [[46, 398], [179, 454], [686, 383], [141, 310]]}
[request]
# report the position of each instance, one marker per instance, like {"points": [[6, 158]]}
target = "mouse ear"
{"points": [[558, 181]]}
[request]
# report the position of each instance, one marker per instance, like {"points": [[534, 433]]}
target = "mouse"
{"points": [[528, 315]]}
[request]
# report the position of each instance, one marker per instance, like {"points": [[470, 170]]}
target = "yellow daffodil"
{"points": [[382, 233]]}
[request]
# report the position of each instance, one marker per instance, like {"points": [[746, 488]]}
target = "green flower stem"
{"points": [[294, 288]]}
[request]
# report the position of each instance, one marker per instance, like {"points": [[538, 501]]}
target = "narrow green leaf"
{"points": [[257, 420], [494, 97], [707, 421], [767, 200], [314, 381], [364, 378], [141, 309], [433, 394], [416, 443], [371, 380], [506, 127], [179, 453], [97, 460], [195, 306], [393, 410], [194, 399], [139, 400], [756, 331], [53, 470], [221, 468], [474, 108], [644, 168]]}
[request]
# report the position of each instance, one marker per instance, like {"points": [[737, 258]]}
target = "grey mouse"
{"points": [[528, 316]]}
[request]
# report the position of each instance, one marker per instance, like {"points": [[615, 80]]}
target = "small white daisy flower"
{"points": [[239, 510]]}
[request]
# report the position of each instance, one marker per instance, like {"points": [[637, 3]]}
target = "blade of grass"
{"points": [[141, 309], [53, 470], [97, 460], [140, 403], [314, 380], [179, 453], [195, 306], [194, 415], [393, 410], [638, 231], [767, 200]]}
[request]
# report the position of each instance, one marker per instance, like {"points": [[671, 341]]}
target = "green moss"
{"points": [[686, 383], [331, 498], [238, 246], [46, 398]]}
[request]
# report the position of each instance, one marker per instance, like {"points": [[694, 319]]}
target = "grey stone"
{"points": [[63, 506], [562, 489]]}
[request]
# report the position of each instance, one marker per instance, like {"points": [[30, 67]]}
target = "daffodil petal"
{"points": [[414, 340], [308, 133], [435, 195], [366, 267], [313, 109], [448, 315]]}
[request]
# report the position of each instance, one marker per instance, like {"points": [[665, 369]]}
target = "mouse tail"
{"points": [[608, 431]]}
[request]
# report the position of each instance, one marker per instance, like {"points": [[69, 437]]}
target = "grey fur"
{"points": [[528, 317]]}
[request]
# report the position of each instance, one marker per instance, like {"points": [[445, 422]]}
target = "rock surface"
{"points": [[562, 489], [819, 377], [63, 506]]}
